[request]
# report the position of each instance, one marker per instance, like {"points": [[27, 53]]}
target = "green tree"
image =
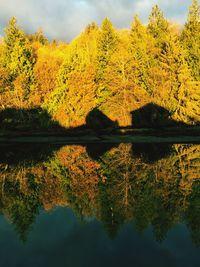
{"points": [[183, 97], [106, 45], [38, 37], [158, 26], [122, 80], [191, 39], [18, 56], [74, 96], [143, 51]]}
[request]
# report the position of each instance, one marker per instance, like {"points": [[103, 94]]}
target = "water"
{"points": [[100, 205]]}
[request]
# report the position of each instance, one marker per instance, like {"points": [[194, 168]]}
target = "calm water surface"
{"points": [[100, 205]]}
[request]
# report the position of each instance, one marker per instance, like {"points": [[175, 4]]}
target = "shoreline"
{"points": [[120, 135]]}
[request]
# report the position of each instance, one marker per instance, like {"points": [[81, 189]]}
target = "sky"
{"points": [[65, 19]]}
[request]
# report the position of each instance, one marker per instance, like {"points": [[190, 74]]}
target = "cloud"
{"points": [[64, 19]]}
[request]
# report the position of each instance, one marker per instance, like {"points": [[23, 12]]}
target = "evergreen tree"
{"points": [[73, 96], [191, 39], [158, 26], [106, 45], [38, 37], [183, 98], [18, 57], [116, 71], [142, 48]]}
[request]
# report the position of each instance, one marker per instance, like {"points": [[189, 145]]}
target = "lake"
{"points": [[100, 205]]}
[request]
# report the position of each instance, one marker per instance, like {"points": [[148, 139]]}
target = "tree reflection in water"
{"points": [[118, 186]]}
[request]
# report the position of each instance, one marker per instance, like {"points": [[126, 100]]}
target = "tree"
{"points": [[79, 98], [73, 96], [158, 26], [38, 37], [143, 51], [18, 56], [106, 45], [191, 39], [49, 60], [4, 74], [122, 81], [178, 92]]}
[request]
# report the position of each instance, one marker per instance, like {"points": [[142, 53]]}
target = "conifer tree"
{"points": [[117, 71], [183, 97], [143, 52], [158, 26], [191, 39], [106, 45], [18, 57], [73, 96], [120, 79], [38, 37]]}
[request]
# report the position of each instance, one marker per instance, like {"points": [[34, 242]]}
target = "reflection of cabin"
{"points": [[151, 152], [152, 116]]}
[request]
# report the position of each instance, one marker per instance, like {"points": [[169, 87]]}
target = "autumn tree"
{"points": [[4, 75], [121, 76], [18, 58], [74, 94], [38, 36], [178, 93], [106, 45], [158, 26], [49, 60], [116, 71], [144, 53], [191, 39]]}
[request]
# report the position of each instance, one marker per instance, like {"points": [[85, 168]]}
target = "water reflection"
{"points": [[115, 184]]}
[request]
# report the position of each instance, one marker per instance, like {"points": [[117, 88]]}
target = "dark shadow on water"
{"points": [[95, 151], [26, 154], [31, 154], [151, 152]]}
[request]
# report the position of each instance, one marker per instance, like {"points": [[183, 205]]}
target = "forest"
{"points": [[114, 71]]}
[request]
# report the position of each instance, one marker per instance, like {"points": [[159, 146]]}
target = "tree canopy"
{"points": [[114, 70]]}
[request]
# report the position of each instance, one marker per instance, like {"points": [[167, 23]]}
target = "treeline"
{"points": [[116, 71], [116, 188]]}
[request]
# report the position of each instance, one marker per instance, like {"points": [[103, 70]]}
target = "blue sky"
{"points": [[64, 19]]}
